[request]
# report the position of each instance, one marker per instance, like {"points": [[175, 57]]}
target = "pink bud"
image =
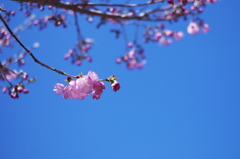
{"points": [[130, 44], [116, 86], [89, 59], [35, 22], [205, 28], [12, 12], [25, 75], [171, 2], [118, 60], [25, 91], [4, 90], [19, 89], [14, 95], [78, 62]]}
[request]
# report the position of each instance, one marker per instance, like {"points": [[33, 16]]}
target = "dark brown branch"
{"points": [[119, 5], [31, 54], [80, 9]]}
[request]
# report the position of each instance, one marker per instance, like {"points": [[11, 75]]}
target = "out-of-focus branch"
{"points": [[81, 8], [80, 38], [30, 53], [120, 5]]}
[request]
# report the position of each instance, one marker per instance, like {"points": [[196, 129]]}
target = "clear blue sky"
{"points": [[184, 104]]}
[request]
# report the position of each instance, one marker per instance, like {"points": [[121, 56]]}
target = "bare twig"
{"points": [[80, 37], [31, 54]]}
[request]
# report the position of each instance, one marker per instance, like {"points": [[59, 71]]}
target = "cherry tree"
{"points": [[58, 12]]}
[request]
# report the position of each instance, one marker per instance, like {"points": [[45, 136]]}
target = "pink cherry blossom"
{"points": [[205, 28], [178, 35], [96, 95], [98, 86], [84, 85], [193, 28], [168, 32], [58, 88], [93, 75], [164, 41], [80, 88], [11, 75], [158, 35]]}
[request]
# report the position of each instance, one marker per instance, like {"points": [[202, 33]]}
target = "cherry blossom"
{"points": [[193, 28], [205, 28], [84, 85]]}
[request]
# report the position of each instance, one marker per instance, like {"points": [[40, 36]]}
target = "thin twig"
{"points": [[31, 54], [125, 36], [80, 37]]}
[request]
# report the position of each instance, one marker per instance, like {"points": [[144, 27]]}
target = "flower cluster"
{"points": [[134, 58], [161, 35], [80, 53], [84, 85], [194, 27], [15, 80], [12, 75]]}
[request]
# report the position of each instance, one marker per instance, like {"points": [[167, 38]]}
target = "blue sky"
{"points": [[184, 104]]}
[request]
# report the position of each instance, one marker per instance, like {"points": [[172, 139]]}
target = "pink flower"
{"points": [[193, 28], [178, 35], [131, 64], [205, 28], [158, 35], [58, 88], [11, 75], [168, 32], [96, 95], [68, 92], [98, 86], [116, 86], [93, 76], [84, 85], [165, 41], [131, 53]]}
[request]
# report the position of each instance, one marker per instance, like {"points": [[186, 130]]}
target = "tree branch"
{"points": [[119, 5], [82, 9], [31, 54]]}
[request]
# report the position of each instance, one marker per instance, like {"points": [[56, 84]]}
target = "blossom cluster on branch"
{"points": [[148, 19], [85, 84]]}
